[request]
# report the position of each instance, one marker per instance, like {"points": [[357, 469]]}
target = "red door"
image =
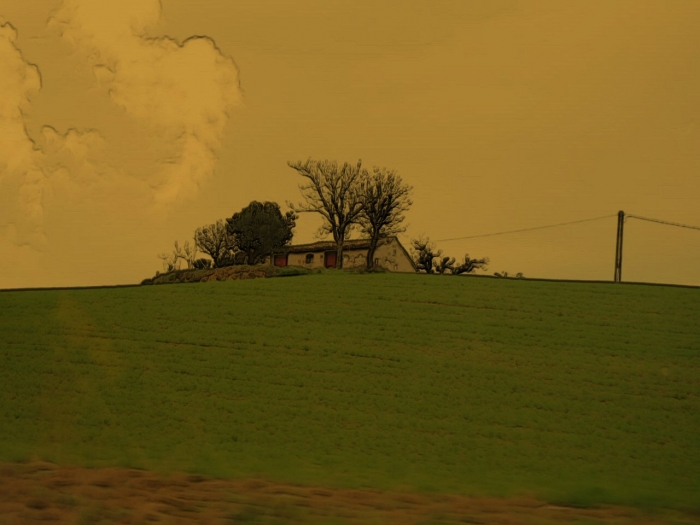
{"points": [[281, 260], [331, 258]]}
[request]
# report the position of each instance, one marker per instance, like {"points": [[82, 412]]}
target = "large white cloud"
{"points": [[183, 93], [23, 175], [55, 184], [29, 169]]}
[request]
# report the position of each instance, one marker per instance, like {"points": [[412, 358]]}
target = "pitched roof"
{"points": [[351, 244]]}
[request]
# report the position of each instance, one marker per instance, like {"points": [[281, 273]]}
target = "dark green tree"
{"points": [[260, 229]]}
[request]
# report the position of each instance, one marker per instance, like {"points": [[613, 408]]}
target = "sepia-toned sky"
{"points": [[127, 124]]}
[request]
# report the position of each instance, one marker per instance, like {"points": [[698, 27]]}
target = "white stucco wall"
{"points": [[389, 256]]}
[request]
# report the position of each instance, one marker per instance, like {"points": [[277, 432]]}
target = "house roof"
{"points": [[321, 246]]}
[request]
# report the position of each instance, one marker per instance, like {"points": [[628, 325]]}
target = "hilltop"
{"points": [[581, 394]]}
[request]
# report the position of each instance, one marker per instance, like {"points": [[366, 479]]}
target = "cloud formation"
{"points": [[23, 178], [179, 94], [30, 171], [183, 93], [19, 168]]}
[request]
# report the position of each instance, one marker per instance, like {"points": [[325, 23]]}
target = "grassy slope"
{"points": [[580, 392]]}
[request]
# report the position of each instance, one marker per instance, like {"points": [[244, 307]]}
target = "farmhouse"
{"points": [[390, 255]]}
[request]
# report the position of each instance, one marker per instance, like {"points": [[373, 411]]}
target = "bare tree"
{"points": [[332, 192], [215, 241], [446, 263], [424, 253], [384, 199], [169, 261], [186, 253], [471, 265]]}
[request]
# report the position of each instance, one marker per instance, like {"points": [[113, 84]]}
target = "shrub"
{"points": [[286, 271], [202, 264], [363, 269]]}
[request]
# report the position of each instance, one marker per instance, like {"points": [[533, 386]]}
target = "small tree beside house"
{"points": [[471, 265], [331, 191], [424, 253], [384, 199]]}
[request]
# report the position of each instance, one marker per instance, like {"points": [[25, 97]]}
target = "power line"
{"points": [[529, 229], [664, 222]]}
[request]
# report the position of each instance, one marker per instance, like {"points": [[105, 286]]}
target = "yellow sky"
{"points": [[126, 124]]}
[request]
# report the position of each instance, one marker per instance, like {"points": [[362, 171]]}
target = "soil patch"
{"points": [[39, 492]]}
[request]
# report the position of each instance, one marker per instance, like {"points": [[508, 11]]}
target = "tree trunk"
{"points": [[373, 242], [370, 257], [339, 254]]}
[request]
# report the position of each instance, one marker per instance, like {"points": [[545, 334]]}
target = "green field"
{"points": [[580, 393]]}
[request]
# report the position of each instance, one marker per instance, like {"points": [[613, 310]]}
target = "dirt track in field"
{"points": [[45, 493]]}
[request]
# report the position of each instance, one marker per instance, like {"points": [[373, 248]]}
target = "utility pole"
{"points": [[618, 249]]}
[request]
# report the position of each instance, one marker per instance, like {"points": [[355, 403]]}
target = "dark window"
{"points": [[309, 258]]}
